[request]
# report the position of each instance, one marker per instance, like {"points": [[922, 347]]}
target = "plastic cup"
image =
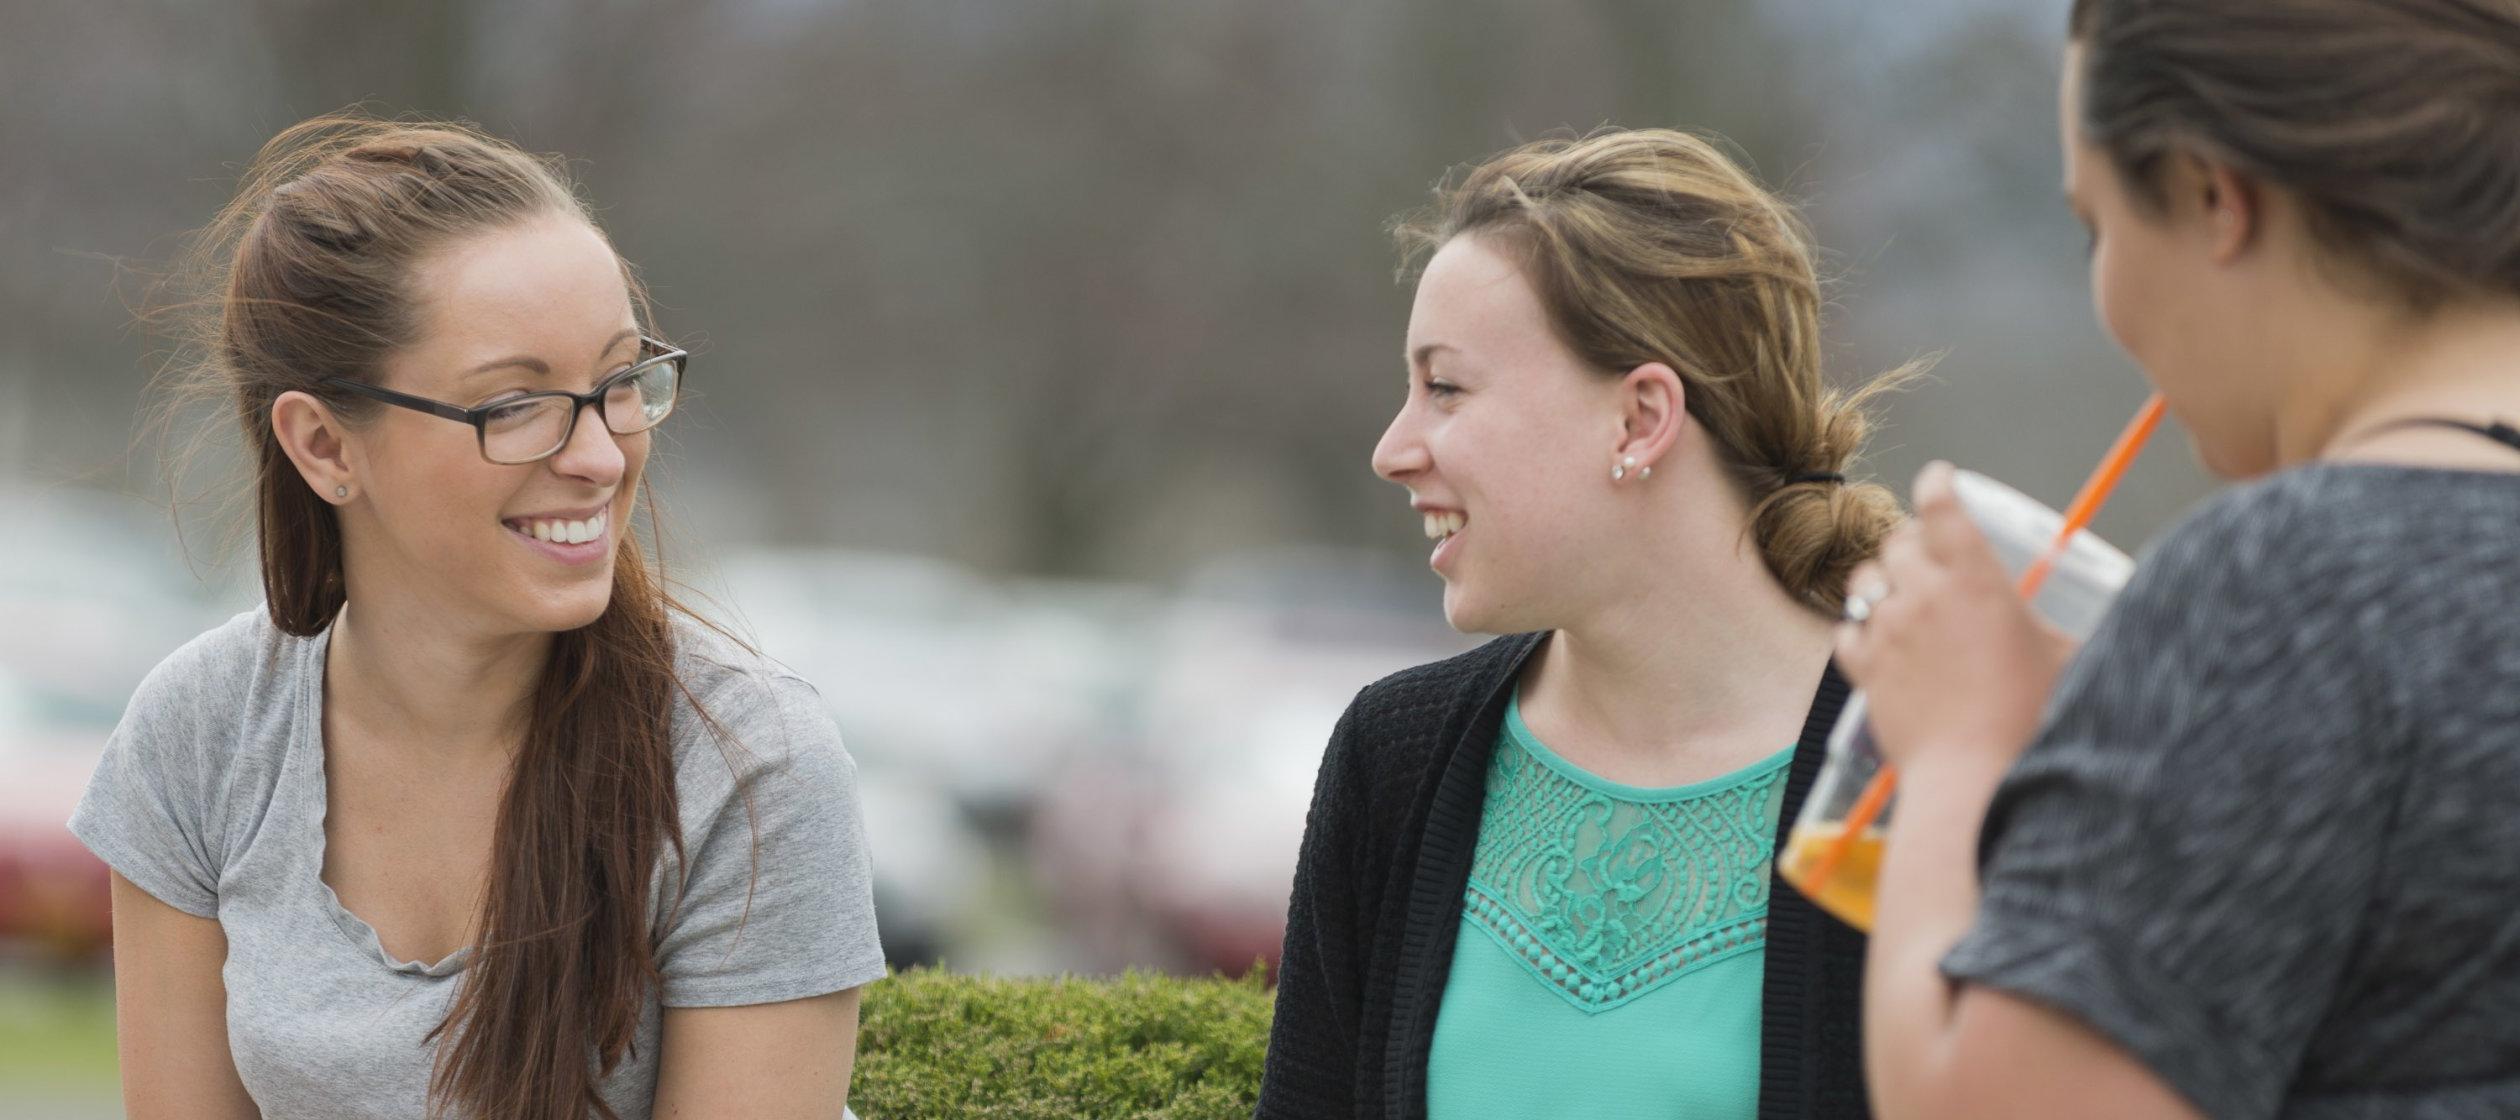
{"points": [[2075, 595]]}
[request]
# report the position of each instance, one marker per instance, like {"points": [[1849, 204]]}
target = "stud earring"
{"points": [[1626, 463], [1644, 474], [341, 491]]}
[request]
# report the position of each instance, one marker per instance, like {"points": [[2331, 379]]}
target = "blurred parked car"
{"points": [[53, 893], [960, 697], [928, 667], [93, 593], [1182, 851]]}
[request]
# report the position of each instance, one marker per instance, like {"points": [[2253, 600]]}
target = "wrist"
{"points": [[1955, 769]]}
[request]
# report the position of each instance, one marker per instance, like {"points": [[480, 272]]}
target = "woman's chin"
{"points": [[565, 609], [2231, 463], [1465, 613]]}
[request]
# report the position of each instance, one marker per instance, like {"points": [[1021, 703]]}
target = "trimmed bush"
{"points": [[943, 1044]]}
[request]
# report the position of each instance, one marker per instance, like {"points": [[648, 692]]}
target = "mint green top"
{"points": [[1612, 944]]}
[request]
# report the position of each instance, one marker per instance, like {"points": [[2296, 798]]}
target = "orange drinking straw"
{"points": [[2095, 491]]}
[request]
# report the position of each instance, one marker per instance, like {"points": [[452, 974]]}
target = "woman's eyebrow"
{"points": [[541, 368]]}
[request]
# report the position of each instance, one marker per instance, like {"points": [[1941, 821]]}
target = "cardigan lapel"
{"points": [[1810, 1009], [1452, 799]]}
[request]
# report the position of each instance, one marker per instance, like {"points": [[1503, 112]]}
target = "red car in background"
{"points": [[94, 590], [54, 896]]}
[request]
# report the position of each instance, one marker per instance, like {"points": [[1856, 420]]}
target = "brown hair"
{"points": [[306, 276], [2396, 122], [1651, 246]]}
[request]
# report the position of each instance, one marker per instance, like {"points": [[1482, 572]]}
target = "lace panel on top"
{"points": [[1606, 892]]}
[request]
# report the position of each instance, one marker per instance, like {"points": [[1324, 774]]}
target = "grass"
{"points": [[56, 1031]]}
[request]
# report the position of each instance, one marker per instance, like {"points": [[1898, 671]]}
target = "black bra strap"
{"points": [[2499, 431]]}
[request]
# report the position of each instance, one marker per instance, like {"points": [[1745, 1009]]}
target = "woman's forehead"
{"points": [[550, 289], [1475, 299]]}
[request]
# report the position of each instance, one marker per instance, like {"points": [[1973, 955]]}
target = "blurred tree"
{"points": [[1095, 287]]}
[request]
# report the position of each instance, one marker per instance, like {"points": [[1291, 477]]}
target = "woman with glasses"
{"points": [[2249, 854], [470, 815]]}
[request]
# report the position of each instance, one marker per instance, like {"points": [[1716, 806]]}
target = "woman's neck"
{"points": [[1713, 663], [403, 669], [2461, 362]]}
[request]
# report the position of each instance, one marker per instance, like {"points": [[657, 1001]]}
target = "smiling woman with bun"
{"points": [[1538, 879]]}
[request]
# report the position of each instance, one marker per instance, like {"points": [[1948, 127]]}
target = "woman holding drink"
{"points": [[2254, 858], [1537, 878]]}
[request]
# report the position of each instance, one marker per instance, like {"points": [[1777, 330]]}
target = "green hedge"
{"points": [[942, 1044]]}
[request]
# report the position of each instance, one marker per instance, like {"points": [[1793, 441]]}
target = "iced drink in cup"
{"points": [[2073, 597]]}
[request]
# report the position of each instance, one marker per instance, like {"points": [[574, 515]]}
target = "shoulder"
{"points": [[2329, 520], [743, 714], [1439, 688], [216, 661], [201, 741], [202, 698], [2246, 526], [718, 666], [2247, 557], [2327, 554], [2280, 621], [1401, 723]]}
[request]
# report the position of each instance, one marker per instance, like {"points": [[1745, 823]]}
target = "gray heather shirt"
{"points": [[2269, 838], [211, 798]]}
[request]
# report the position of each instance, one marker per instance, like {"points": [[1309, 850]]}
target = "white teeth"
{"points": [[1443, 524], [561, 531], [1434, 527]]}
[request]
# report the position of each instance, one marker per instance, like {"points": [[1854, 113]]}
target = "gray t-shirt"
{"points": [[211, 797], [2268, 839]]}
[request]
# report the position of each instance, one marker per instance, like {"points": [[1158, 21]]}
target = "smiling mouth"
{"points": [[1442, 524], [560, 530]]}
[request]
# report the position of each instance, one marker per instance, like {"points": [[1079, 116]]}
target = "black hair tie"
{"points": [[1815, 476]]}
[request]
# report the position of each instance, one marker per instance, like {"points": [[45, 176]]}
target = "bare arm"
{"points": [[1933, 1049], [1957, 669], [170, 1013], [770, 1061]]}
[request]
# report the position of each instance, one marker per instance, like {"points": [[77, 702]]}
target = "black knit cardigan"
{"points": [[1377, 904]]}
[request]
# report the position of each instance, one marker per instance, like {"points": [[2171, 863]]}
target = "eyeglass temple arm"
{"points": [[424, 404]]}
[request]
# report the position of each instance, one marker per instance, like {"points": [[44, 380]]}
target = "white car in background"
{"points": [[980, 686], [1180, 853], [960, 697]]}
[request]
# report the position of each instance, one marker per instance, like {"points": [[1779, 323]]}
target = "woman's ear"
{"points": [[315, 441], [1653, 407], [2231, 204]]}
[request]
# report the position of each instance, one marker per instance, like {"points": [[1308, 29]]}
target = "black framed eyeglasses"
{"points": [[535, 426]]}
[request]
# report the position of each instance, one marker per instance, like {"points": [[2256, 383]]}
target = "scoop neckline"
{"points": [[362, 935], [1529, 740]]}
